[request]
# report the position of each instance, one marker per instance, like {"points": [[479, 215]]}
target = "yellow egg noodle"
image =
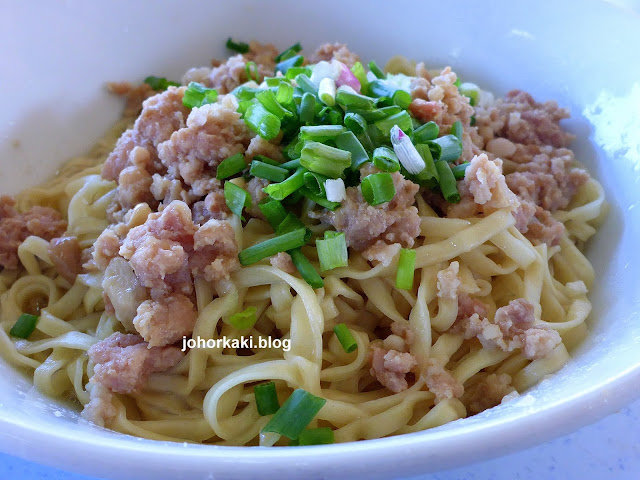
{"points": [[208, 397]]}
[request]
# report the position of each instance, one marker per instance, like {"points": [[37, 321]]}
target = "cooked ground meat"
{"points": [[213, 206], [66, 255], [215, 252], [396, 221], [255, 188], [488, 393], [165, 321], [100, 409], [233, 72], [448, 281], [390, 368], [337, 51], [440, 382], [123, 362], [283, 261], [134, 95], [43, 222], [260, 146]]}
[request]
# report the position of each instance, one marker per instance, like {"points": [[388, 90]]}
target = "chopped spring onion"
{"points": [[245, 92], [293, 164], [402, 120], [305, 83], [288, 53], [332, 252], [426, 132], [295, 414], [285, 65], [314, 182], [457, 130], [279, 191], [160, 84], [349, 98], [270, 161], [268, 100], [237, 198], [447, 182], [335, 190], [406, 268], [197, 95], [378, 188], [323, 159], [428, 176], [314, 436], [330, 115], [457, 83], [284, 95], [447, 148], [327, 91], [273, 246], [273, 211], [385, 159], [472, 121], [406, 151], [293, 72], [24, 326], [359, 72], [245, 319], [262, 121], [230, 166], [319, 199], [345, 337], [321, 131], [240, 47], [291, 223], [376, 70], [251, 70], [460, 170], [378, 113], [470, 90], [381, 88], [348, 141], [307, 108], [268, 172], [266, 398], [307, 272], [355, 122]]}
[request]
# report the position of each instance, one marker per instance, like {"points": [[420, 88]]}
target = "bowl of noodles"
{"points": [[271, 249]]}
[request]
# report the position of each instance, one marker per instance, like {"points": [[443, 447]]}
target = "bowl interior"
{"points": [[56, 68]]}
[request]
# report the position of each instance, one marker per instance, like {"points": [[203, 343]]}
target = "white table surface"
{"points": [[606, 450]]}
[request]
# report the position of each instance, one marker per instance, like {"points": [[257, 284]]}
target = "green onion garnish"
{"points": [[345, 337], [273, 211], [457, 130], [251, 70], [266, 398], [240, 47], [378, 113], [406, 268], [237, 198], [24, 326], [348, 141], [402, 120], [273, 246], [245, 319], [348, 98], [280, 191], [355, 122], [314, 182], [308, 273], [284, 95], [288, 53], [321, 132], [323, 159], [448, 146], [293, 72], [460, 170], [378, 188], [305, 83], [426, 132], [230, 166], [268, 172], [197, 95], [386, 160], [160, 84], [470, 90], [380, 88], [285, 65], [327, 91], [428, 176], [268, 100], [472, 121], [291, 223], [332, 251], [447, 182], [319, 199], [295, 414], [376, 70], [359, 72], [262, 121], [307, 108], [293, 164], [314, 436]]}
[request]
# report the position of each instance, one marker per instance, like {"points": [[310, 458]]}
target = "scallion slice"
{"points": [[266, 398], [280, 191], [291, 223], [470, 90], [295, 414], [406, 269], [402, 120], [378, 113], [262, 121], [237, 198], [335, 190], [307, 272], [321, 132], [359, 72], [345, 337], [273, 211], [381, 88], [350, 99], [251, 70], [323, 159], [319, 199], [268, 172], [293, 72], [447, 182], [307, 108], [284, 95], [426, 132], [245, 319], [448, 146], [457, 130], [24, 326], [378, 188], [460, 170], [406, 151], [197, 95], [355, 123], [240, 47], [305, 83], [268, 100], [285, 65], [315, 436], [376, 70], [385, 159], [273, 246], [230, 166], [428, 176], [315, 182], [327, 91], [159, 84], [288, 53], [332, 252]]}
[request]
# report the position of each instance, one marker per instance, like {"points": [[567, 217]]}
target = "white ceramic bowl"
{"points": [[57, 55]]}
